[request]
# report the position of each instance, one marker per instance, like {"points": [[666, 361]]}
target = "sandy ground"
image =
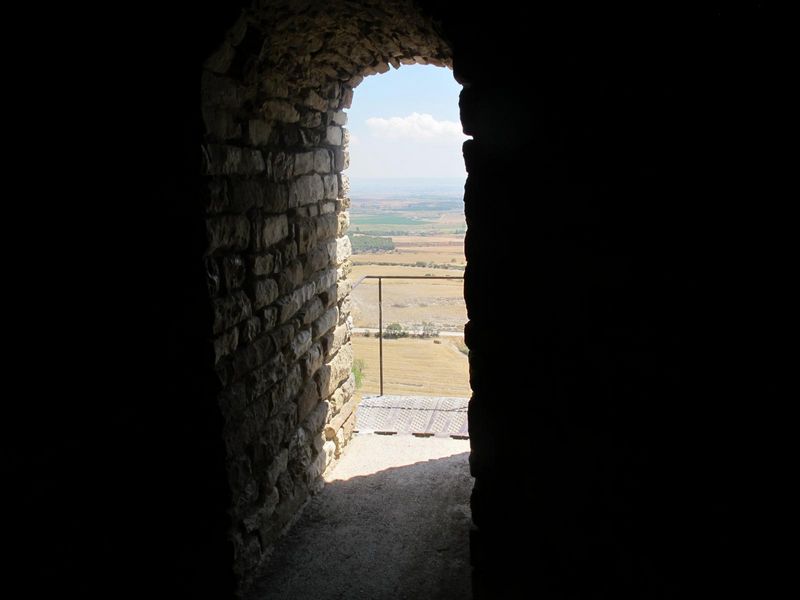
{"points": [[391, 523]]}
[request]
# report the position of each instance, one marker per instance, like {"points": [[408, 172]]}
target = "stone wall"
{"points": [[274, 98]]}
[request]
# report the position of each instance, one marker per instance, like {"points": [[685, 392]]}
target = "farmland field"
{"points": [[418, 234], [414, 366]]}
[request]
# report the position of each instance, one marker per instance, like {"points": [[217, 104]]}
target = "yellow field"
{"points": [[414, 366], [409, 302]]}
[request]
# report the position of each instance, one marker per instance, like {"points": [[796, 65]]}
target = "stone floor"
{"points": [[391, 523]]}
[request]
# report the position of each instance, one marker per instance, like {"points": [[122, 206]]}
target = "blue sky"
{"points": [[405, 124]]}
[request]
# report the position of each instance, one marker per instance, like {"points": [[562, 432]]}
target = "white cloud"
{"points": [[416, 126]]}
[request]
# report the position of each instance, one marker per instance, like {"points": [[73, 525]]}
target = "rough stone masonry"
{"points": [[277, 263]]}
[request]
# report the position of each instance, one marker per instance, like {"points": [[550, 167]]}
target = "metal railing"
{"points": [[380, 279]]}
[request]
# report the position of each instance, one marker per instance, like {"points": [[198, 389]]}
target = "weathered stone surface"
{"points": [[312, 360], [311, 311], [304, 163], [220, 61], [280, 110], [226, 343], [338, 160], [223, 91], [344, 224], [258, 132], [262, 264], [265, 292], [277, 467], [338, 117], [310, 119], [228, 233], [275, 198], [291, 276], [327, 208], [233, 271], [326, 322], [340, 336], [280, 166], [333, 135], [261, 517], [322, 161], [230, 311], [220, 124], [343, 249], [306, 190], [300, 344], [334, 372], [250, 329], [307, 400], [313, 100], [269, 318], [331, 187], [288, 306], [326, 226], [306, 235], [318, 258], [338, 402], [323, 281], [274, 229]]}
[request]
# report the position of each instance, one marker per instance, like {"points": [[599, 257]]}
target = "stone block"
{"points": [[288, 306], [333, 135], [304, 163], [269, 318], [338, 160], [312, 360], [307, 401], [311, 311], [258, 132], [227, 233], [265, 292], [280, 166], [324, 281], [300, 344], [333, 373], [233, 271], [322, 161], [315, 101], [220, 124], [282, 335], [274, 229], [277, 467], [306, 189], [223, 91], [331, 187], [343, 223], [226, 343], [305, 235], [275, 198], [326, 226], [250, 329], [338, 117], [317, 259], [343, 249], [230, 311], [340, 337], [310, 119], [280, 110], [262, 264], [325, 323]]}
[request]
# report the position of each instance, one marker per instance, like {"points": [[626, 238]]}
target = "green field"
{"points": [[387, 219]]}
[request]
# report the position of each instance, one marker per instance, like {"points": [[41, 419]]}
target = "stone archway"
{"points": [[273, 97]]}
